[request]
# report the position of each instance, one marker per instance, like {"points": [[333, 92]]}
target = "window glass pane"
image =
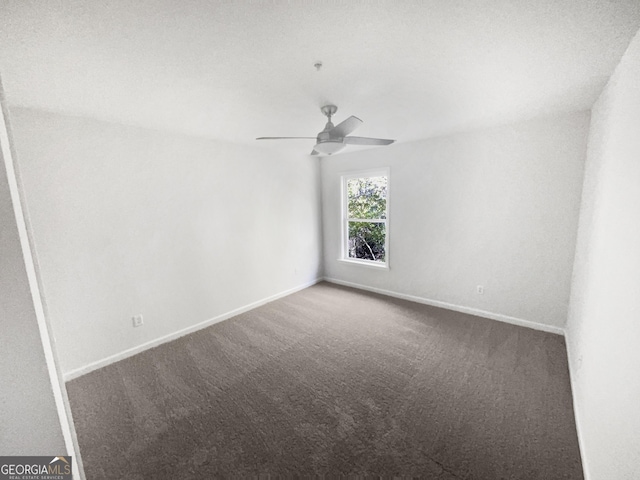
{"points": [[366, 241], [367, 197]]}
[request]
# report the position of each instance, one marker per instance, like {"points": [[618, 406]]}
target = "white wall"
{"points": [[603, 329], [496, 207], [127, 220], [29, 420]]}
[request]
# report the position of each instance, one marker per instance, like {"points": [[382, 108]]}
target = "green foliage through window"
{"points": [[367, 197], [367, 213]]}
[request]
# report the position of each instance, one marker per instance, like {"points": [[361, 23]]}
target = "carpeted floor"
{"points": [[332, 381]]}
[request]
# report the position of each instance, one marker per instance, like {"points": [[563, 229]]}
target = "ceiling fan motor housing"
{"points": [[325, 143]]}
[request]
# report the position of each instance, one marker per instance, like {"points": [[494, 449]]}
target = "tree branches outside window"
{"points": [[367, 213]]}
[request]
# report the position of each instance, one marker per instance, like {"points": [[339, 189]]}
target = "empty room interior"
{"points": [[309, 239]]}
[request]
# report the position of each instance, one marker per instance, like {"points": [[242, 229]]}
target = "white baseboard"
{"points": [[572, 364], [78, 372], [450, 306]]}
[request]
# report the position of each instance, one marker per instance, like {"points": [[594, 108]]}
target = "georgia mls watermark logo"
{"points": [[36, 468]]}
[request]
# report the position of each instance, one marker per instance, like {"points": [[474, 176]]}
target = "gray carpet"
{"points": [[332, 381]]}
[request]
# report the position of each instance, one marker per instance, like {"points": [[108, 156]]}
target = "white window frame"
{"points": [[344, 202]]}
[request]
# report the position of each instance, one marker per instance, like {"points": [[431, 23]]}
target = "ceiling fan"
{"points": [[334, 138]]}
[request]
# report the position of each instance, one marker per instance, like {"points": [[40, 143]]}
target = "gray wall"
{"points": [[496, 207], [29, 422], [180, 229], [603, 330]]}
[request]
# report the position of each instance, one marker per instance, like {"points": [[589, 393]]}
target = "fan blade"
{"points": [[313, 152], [366, 141], [346, 127], [286, 138]]}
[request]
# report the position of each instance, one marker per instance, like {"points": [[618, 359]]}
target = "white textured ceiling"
{"points": [[235, 70]]}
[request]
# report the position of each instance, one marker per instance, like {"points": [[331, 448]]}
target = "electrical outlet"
{"points": [[480, 290], [137, 320]]}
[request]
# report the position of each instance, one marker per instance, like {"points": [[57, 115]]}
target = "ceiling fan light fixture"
{"points": [[329, 147]]}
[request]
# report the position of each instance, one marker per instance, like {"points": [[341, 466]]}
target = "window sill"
{"points": [[366, 263]]}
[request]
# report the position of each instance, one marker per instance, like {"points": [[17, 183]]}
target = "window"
{"points": [[365, 218]]}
